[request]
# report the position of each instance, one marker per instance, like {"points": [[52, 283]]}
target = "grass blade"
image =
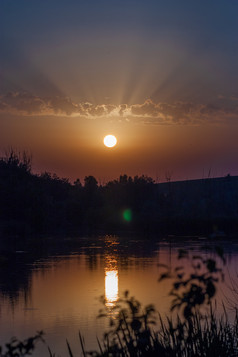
{"points": [[69, 349], [82, 344]]}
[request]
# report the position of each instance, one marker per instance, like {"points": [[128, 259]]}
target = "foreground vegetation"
{"points": [[140, 331], [132, 334]]}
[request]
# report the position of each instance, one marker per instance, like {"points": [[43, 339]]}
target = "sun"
{"points": [[110, 141]]}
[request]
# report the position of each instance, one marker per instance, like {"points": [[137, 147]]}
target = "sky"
{"points": [[159, 75]]}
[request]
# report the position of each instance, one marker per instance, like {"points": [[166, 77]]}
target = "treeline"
{"points": [[46, 203], [33, 204]]}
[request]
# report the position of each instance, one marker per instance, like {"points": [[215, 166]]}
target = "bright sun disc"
{"points": [[110, 141]]}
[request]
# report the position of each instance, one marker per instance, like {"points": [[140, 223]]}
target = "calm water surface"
{"points": [[59, 292]]}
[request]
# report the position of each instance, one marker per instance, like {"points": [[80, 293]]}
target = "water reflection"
{"points": [[111, 287], [57, 291], [111, 270]]}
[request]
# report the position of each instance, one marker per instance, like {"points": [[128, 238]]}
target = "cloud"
{"points": [[183, 113], [21, 103], [149, 112]]}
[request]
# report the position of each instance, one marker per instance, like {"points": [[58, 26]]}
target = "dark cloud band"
{"points": [[148, 112]]}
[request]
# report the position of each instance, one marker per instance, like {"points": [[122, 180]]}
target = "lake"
{"points": [[58, 289]]}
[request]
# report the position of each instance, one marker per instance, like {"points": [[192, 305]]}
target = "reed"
{"points": [[134, 333]]}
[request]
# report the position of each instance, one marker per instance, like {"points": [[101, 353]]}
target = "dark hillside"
{"points": [[211, 203]]}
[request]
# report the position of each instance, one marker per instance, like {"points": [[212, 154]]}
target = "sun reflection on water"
{"points": [[111, 271], [111, 287]]}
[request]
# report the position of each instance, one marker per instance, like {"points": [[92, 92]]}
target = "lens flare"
{"points": [[127, 215]]}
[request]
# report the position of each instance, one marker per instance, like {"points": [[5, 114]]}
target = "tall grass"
{"points": [[134, 333]]}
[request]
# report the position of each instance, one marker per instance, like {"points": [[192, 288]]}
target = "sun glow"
{"points": [[110, 141], [111, 287]]}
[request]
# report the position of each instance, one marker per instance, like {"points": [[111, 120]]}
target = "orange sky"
{"points": [[73, 147], [161, 76]]}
